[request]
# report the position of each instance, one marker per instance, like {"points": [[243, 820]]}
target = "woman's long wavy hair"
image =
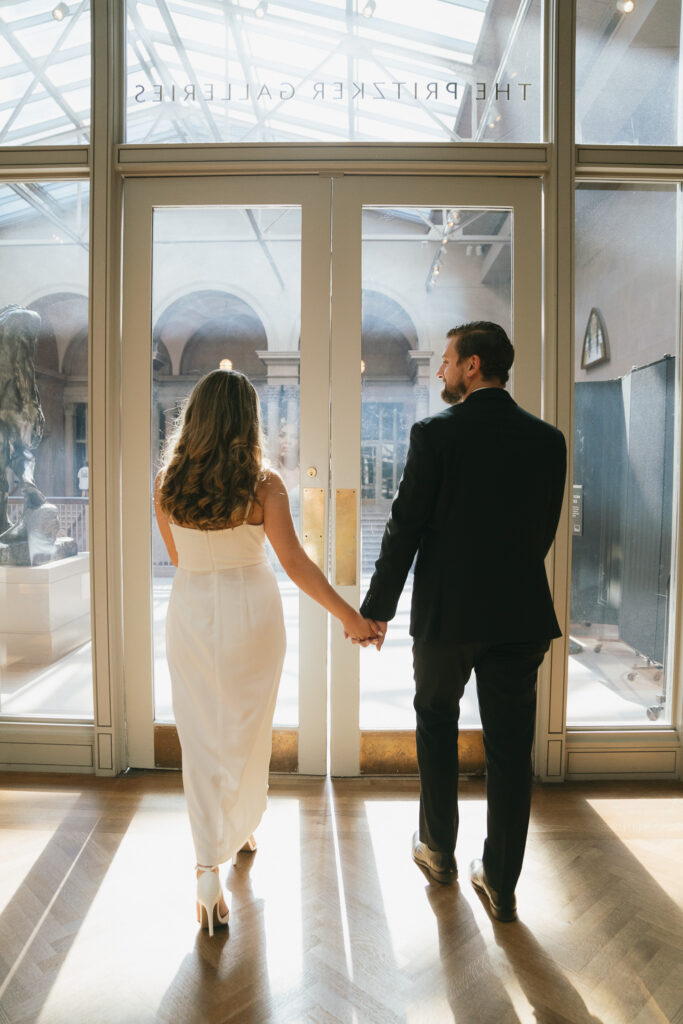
{"points": [[213, 460]]}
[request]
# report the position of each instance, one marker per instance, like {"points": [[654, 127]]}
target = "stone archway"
{"points": [[200, 329], [61, 369], [388, 336], [190, 338]]}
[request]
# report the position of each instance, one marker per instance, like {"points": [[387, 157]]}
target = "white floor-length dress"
{"points": [[225, 643]]}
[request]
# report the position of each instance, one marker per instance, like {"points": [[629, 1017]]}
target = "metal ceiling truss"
{"points": [[38, 68]]}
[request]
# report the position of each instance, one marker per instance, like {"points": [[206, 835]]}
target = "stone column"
{"points": [[422, 360], [69, 464], [281, 394]]}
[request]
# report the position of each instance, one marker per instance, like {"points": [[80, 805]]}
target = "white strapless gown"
{"points": [[225, 643]]}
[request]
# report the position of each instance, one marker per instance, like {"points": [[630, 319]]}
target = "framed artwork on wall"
{"points": [[595, 349]]}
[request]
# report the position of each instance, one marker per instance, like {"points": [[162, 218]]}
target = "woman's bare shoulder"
{"points": [[271, 485]]}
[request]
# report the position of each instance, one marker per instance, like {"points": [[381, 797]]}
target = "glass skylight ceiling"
{"points": [[280, 70], [330, 70], [44, 72]]}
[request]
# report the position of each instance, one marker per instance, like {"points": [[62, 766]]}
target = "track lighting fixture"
{"points": [[369, 9], [60, 12], [625, 6], [261, 8]]}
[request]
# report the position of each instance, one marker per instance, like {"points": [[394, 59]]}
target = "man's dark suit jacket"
{"points": [[479, 501]]}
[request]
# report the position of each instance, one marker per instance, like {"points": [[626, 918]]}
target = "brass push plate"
{"points": [[345, 538], [313, 516]]}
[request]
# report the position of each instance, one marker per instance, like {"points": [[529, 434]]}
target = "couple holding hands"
{"points": [[479, 503]]}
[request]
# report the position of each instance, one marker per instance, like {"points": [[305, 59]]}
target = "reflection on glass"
{"points": [[45, 654], [627, 73], [226, 288], [338, 70], [424, 271], [624, 398], [45, 61]]}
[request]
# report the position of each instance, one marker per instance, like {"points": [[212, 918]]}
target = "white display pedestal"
{"points": [[44, 609]]}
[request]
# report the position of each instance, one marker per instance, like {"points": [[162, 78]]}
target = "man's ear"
{"points": [[474, 364]]}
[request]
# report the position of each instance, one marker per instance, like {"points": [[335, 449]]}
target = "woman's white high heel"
{"points": [[249, 847], [209, 894]]}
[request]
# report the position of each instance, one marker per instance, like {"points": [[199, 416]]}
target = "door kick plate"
{"points": [[313, 515], [345, 538]]}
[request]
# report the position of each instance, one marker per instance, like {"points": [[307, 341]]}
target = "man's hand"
{"points": [[360, 630], [376, 635], [380, 632]]}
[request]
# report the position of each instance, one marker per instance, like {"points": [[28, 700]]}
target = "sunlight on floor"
{"points": [[140, 916], [631, 818], [343, 915], [46, 910], [20, 849], [331, 919], [280, 894], [408, 918]]}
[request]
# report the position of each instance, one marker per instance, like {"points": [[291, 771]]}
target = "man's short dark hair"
{"points": [[488, 341]]}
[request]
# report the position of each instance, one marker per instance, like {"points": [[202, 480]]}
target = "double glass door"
{"points": [[334, 295]]}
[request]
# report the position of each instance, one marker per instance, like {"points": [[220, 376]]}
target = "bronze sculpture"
{"points": [[33, 540]]}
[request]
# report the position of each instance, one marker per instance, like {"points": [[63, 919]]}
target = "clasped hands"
{"points": [[365, 632]]}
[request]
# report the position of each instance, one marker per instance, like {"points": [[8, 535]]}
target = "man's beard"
{"points": [[452, 396]]}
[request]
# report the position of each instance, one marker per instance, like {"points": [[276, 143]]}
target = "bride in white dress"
{"points": [[216, 503]]}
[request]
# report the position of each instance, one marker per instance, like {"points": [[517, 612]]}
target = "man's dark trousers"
{"points": [[506, 688]]}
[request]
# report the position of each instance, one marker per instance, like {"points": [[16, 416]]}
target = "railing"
{"points": [[73, 517], [73, 522]]}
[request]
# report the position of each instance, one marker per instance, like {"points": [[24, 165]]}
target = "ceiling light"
{"points": [[261, 9], [369, 9], [60, 12], [625, 6], [225, 364]]}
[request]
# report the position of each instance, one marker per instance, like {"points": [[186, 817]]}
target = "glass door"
{"points": [[412, 257], [334, 296], [213, 272]]}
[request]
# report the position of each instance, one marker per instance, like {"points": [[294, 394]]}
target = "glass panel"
{"points": [[45, 655], [227, 285], [45, 72], [424, 271], [628, 77], [339, 70], [625, 365]]}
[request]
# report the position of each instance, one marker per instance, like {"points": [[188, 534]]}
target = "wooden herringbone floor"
{"points": [[331, 921]]}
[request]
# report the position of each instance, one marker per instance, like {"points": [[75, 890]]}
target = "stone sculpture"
{"points": [[34, 539]]}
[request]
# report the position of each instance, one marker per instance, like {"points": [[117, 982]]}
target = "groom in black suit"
{"points": [[479, 501]]}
